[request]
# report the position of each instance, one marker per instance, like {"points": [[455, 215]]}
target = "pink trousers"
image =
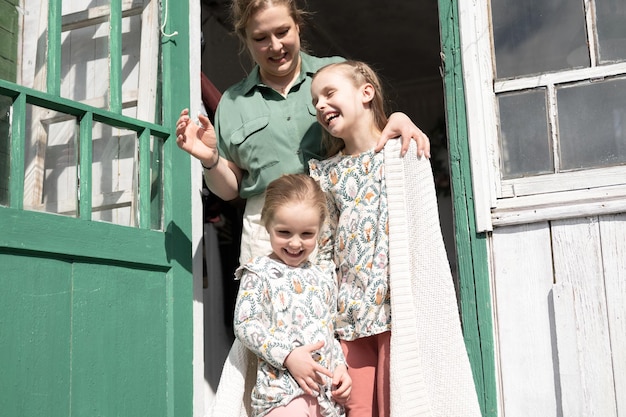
{"points": [[368, 366], [303, 406]]}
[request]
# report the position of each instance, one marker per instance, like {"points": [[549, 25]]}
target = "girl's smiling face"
{"points": [[273, 39], [293, 232], [340, 104]]}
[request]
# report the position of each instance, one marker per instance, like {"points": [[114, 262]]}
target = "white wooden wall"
{"points": [[559, 293]]}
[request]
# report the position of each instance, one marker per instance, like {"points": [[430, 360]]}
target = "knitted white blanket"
{"points": [[430, 371]]}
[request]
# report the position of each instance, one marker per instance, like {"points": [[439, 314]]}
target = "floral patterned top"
{"points": [[357, 203], [279, 308]]}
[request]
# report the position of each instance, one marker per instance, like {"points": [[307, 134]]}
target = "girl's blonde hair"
{"points": [[359, 73], [291, 188], [243, 10]]}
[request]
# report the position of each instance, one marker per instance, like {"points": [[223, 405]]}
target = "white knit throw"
{"points": [[430, 371]]}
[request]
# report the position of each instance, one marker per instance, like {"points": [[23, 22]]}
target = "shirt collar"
{"points": [[254, 78]]}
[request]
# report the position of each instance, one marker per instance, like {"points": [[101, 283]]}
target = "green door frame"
{"points": [[471, 246], [176, 81]]}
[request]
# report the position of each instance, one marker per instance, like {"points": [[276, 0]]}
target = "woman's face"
{"points": [[273, 39]]}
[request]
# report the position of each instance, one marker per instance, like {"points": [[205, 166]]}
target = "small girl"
{"points": [[397, 316], [285, 310]]}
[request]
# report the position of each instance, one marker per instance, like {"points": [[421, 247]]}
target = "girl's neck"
{"points": [[361, 142]]}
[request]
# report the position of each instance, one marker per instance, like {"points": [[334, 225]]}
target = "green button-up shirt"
{"points": [[266, 134]]}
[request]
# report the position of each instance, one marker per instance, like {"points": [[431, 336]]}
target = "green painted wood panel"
{"points": [[472, 255], [119, 327], [35, 304], [9, 18], [82, 339]]}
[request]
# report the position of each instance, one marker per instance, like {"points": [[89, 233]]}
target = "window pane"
{"points": [[114, 175], [524, 136], [533, 36], [50, 157], [85, 65], [5, 148], [592, 124], [611, 22]]}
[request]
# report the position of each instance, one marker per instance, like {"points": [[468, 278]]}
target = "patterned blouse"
{"points": [[278, 309], [357, 202]]}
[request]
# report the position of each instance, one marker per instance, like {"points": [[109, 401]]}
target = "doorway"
{"points": [[401, 42]]}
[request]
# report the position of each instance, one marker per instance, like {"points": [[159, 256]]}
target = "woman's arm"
{"points": [[400, 125], [222, 176]]}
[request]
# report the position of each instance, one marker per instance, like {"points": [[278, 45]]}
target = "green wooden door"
{"points": [[95, 252]]}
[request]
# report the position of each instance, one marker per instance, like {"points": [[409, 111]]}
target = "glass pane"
{"points": [[32, 68], [156, 184], [131, 41], [524, 135], [5, 148], [533, 36], [592, 124], [114, 174], [50, 161], [85, 57], [611, 22]]}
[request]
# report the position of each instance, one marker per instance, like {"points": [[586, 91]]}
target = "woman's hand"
{"points": [[198, 141], [342, 384], [400, 125], [307, 373]]}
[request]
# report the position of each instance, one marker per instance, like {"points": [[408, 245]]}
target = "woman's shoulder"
{"points": [[312, 63]]}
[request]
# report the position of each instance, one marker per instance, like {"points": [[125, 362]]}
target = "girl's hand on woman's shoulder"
{"points": [[401, 126]]}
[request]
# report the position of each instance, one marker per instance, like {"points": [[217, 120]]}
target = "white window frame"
{"points": [[501, 202]]}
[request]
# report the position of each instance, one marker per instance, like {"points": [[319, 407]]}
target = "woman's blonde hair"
{"points": [[359, 73], [291, 188], [243, 10]]}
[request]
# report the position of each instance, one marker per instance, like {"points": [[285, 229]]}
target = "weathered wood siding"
{"points": [[559, 289]]}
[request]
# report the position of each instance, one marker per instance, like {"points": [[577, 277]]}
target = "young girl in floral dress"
{"points": [[397, 315], [285, 310]]}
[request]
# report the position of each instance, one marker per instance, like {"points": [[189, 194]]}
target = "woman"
{"points": [[266, 123]]}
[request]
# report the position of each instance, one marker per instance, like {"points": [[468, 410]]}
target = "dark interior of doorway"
{"points": [[400, 40]]}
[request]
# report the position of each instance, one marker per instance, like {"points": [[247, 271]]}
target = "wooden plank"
{"points": [[53, 53], [569, 373], [563, 181], [578, 262], [544, 79], [115, 57], [613, 233], [481, 111], [522, 271], [474, 282], [85, 158], [97, 15], [75, 238], [35, 303], [119, 322], [17, 153], [79, 109]]}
